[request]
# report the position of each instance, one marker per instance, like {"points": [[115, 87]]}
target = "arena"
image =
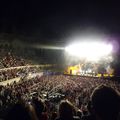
{"points": [[59, 60], [37, 91]]}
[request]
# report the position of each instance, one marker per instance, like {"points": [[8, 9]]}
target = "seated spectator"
{"points": [[53, 116], [20, 112], [40, 109], [105, 103], [66, 111], [90, 115]]}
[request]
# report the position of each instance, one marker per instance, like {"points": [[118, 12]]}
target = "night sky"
{"points": [[56, 21]]}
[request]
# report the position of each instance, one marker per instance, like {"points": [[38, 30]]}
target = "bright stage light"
{"points": [[89, 50]]}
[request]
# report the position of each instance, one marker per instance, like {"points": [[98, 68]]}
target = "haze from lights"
{"points": [[92, 51]]}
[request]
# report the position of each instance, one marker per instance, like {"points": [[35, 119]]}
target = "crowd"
{"points": [[8, 59], [54, 97], [40, 98], [11, 73]]}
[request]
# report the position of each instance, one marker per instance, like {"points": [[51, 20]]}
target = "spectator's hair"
{"points": [[66, 109], [105, 102]]}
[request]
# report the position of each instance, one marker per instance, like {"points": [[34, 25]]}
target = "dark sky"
{"points": [[55, 21]]}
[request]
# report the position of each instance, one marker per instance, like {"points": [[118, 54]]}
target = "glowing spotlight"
{"points": [[90, 50]]}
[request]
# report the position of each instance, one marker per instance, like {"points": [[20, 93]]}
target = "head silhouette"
{"points": [[19, 112], [66, 110], [105, 103]]}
